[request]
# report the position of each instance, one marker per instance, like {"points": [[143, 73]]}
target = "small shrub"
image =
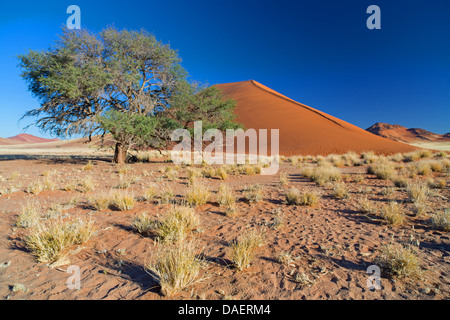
{"points": [[400, 181], [150, 193], [285, 258], [101, 201], [284, 180], [193, 174], [383, 169], [231, 210], [35, 187], [89, 166], [167, 195], [322, 174], [86, 184], [221, 173], [176, 223], [367, 206], [418, 191]]}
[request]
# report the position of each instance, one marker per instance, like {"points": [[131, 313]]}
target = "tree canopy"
{"points": [[118, 81]]}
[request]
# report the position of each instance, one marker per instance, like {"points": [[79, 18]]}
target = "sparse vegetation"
{"points": [[306, 198], [225, 196], [123, 200], [399, 261], [322, 174], [254, 194], [30, 214], [198, 194], [175, 267], [48, 240], [392, 213], [441, 220], [242, 248], [340, 191]]}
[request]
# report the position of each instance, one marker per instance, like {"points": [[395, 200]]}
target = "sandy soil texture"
{"points": [[331, 244]]}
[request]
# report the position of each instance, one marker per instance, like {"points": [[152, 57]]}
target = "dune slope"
{"points": [[303, 130]]}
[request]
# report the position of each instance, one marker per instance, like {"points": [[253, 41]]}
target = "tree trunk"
{"points": [[120, 154]]}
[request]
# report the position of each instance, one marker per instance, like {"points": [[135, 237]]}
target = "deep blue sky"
{"points": [[316, 52]]}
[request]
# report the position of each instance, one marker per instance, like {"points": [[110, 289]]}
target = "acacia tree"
{"points": [[123, 82]]}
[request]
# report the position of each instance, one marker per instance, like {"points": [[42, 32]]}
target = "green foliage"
{"points": [[130, 128], [123, 82]]}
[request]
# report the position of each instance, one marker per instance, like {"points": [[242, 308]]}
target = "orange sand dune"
{"points": [[24, 138], [399, 133], [303, 130]]}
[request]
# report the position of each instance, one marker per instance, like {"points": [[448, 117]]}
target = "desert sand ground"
{"points": [[330, 245]]}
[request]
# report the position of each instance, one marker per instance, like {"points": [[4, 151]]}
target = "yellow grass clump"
{"points": [[392, 213], [198, 195], [399, 261], [441, 220], [47, 241], [123, 200], [30, 214], [307, 198], [242, 248], [175, 267]]}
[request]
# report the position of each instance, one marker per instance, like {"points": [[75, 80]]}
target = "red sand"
{"points": [[399, 133], [24, 138], [303, 130]]}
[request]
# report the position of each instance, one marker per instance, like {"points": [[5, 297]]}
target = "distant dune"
{"points": [[399, 133], [28, 138], [303, 130]]}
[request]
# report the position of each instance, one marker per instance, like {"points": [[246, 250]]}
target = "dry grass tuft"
{"points": [[340, 191], [175, 267], [383, 169], [123, 200], [441, 220], [198, 195], [306, 198], [418, 191], [30, 214], [225, 196], [143, 224], [392, 213], [242, 248], [176, 224], [48, 241], [322, 174], [86, 184], [254, 194], [399, 261], [367, 206]]}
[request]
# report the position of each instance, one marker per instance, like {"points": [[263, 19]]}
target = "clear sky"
{"points": [[317, 52]]}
